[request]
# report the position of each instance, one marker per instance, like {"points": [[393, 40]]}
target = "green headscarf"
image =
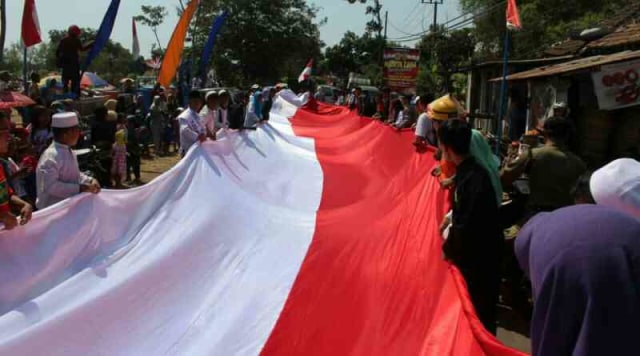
{"points": [[481, 151]]}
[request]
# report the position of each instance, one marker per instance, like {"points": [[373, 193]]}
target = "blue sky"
{"points": [[404, 15]]}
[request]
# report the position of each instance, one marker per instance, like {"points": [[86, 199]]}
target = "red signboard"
{"points": [[401, 69]]}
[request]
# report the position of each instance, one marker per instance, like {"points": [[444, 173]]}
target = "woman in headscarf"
{"points": [[481, 151], [157, 120], [584, 266]]}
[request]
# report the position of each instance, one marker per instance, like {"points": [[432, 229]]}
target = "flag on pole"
{"points": [[513, 17], [306, 73], [173, 54], [30, 25], [104, 32], [211, 41], [135, 48]]}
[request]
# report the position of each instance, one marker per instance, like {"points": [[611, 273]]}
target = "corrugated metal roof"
{"points": [[564, 48], [572, 66], [625, 35]]}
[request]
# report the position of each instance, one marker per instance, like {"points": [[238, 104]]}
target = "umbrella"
{"points": [[89, 80], [12, 99]]}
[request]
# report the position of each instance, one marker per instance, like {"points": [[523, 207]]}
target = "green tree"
{"points": [[357, 54], [443, 54], [544, 22], [264, 41], [152, 17]]}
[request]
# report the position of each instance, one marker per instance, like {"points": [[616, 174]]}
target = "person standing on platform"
{"points": [[475, 240], [68, 58]]}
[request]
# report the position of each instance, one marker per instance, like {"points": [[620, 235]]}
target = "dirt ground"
{"points": [[152, 168], [513, 331]]}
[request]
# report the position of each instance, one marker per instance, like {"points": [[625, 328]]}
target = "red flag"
{"points": [[30, 24], [513, 17], [135, 48], [306, 73]]}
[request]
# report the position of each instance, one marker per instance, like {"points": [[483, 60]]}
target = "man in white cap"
{"points": [[58, 176], [223, 113], [617, 185], [209, 114]]}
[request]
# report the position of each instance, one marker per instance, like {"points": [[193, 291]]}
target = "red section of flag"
{"points": [[135, 48], [513, 17], [30, 24], [374, 281], [306, 73]]}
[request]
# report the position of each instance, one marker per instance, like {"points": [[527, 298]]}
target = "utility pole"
{"points": [[435, 4]]}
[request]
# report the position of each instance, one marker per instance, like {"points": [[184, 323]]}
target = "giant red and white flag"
{"points": [[513, 17], [306, 72], [290, 240], [30, 25], [135, 47]]}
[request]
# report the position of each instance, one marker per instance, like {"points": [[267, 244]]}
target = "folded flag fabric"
{"points": [[300, 238]]}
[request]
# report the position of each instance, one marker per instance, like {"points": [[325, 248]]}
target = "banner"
{"points": [[401, 69], [173, 54], [211, 41], [617, 85], [30, 25], [135, 47], [104, 32]]}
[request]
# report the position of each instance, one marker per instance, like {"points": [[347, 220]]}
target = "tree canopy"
{"points": [[544, 22], [264, 41]]}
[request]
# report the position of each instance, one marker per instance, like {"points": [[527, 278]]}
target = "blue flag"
{"points": [[211, 41], [103, 33]]}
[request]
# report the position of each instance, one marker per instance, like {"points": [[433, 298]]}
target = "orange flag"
{"points": [[173, 54]]}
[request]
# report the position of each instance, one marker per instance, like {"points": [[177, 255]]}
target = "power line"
{"points": [[484, 12]]}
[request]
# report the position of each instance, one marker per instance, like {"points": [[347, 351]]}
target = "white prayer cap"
{"points": [[560, 105], [255, 87], [64, 120], [617, 185], [210, 94]]}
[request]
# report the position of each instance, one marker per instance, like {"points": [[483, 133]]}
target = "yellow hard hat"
{"points": [[443, 109]]}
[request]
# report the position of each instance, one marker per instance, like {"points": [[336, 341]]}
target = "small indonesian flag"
{"points": [[513, 17], [306, 73], [30, 24], [135, 48]]}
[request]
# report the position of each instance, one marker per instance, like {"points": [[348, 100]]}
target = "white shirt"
{"points": [[190, 128], [223, 118], [209, 118], [58, 176]]}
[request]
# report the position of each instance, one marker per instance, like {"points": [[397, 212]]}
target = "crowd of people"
{"points": [[579, 241]]}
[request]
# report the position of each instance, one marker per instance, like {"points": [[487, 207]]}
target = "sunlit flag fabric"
{"points": [[306, 73], [135, 47], [513, 17], [173, 54], [104, 33], [300, 238], [30, 25]]}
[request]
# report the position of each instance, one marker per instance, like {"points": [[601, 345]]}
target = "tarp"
{"points": [[310, 236]]}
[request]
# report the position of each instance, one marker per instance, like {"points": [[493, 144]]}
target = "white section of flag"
{"points": [[135, 48], [198, 262], [306, 73]]}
